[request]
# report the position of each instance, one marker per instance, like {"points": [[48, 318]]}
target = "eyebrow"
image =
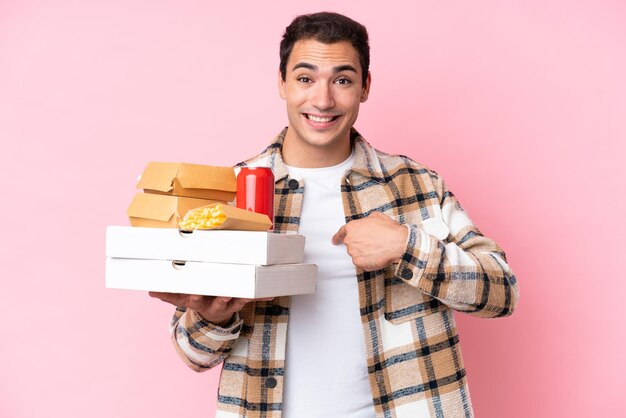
{"points": [[312, 67]]}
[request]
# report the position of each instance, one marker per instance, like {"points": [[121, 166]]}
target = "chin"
{"points": [[321, 142], [325, 138]]}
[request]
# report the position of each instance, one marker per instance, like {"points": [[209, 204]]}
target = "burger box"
{"points": [[161, 211], [212, 279], [213, 246], [189, 180]]}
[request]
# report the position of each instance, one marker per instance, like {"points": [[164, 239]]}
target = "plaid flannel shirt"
{"points": [[413, 356]]}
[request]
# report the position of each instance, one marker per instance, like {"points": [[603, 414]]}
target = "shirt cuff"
{"points": [[419, 265], [214, 331]]}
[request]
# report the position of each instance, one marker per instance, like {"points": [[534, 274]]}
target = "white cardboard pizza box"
{"points": [[215, 279], [215, 246]]}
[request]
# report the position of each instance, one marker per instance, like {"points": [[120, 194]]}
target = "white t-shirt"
{"points": [[326, 367]]}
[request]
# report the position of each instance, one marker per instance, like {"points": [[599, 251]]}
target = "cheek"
{"points": [[294, 103], [295, 94], [351, 100]]}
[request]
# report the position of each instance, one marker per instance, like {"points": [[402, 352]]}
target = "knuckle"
{"points": [[222, 301], [216, 305], [237, 306], [193, 302]]}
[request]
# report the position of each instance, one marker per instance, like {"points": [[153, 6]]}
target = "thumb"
{"points": [[339, 235]]}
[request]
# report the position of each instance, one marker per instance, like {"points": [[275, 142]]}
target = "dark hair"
{"points": [[328, 28]]}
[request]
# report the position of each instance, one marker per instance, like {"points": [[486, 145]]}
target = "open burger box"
{"points": [[154, 255], [189, 180], [172, 189], [161, 211]]}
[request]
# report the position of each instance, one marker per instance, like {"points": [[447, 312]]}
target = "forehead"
{"points": [[323, 55]]}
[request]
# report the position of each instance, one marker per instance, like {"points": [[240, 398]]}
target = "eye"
{"points": [[304, 79], [343, 81]]}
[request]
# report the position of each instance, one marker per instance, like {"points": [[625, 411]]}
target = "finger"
{"points": [[198, 302], [173, 298], [237, 304], [195, 299], [219, 305], [339, 235], [367, 264], [212, 306], [223, 300]]}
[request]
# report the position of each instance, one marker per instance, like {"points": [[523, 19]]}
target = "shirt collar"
{"points": [[365, 163]]}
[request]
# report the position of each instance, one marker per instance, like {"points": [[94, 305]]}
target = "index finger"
{"points": [[339, 235]]}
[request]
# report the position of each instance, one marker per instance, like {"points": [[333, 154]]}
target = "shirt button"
{"points": [[270, 382], [407, 274], [293, 184]]}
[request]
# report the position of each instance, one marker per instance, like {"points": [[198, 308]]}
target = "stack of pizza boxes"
{"points": [[240, 258]]}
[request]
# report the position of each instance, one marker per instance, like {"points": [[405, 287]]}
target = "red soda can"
{"points": [[255, 190]]}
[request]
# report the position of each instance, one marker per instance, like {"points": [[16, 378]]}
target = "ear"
{"points": [[366, 88], [281, 86]]}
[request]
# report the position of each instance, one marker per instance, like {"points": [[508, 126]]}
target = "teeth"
{"points": [[318, 119]]}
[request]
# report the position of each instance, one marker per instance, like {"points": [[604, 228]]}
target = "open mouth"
{"points": [[320, 119]]}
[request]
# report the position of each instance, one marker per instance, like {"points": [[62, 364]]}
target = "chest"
{"points": [[406, 198]]}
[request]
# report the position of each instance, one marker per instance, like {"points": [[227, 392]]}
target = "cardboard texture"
{"points": [[243, 220], [189, 180], [236, 247], [160, 211], [213, 279]]}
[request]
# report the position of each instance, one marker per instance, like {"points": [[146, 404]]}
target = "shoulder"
{"points": [[270, 156], [262, 159], [401, 164], [402, 173]]}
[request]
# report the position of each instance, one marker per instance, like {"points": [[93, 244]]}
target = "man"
{"points": [[395, 253]]}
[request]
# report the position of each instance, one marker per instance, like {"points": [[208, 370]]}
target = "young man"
{"points": [[396, 253]]}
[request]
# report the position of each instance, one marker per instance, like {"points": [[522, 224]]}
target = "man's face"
{"points": [[323, 89]]}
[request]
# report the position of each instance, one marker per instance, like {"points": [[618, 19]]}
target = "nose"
{"points": [[323, 97]]}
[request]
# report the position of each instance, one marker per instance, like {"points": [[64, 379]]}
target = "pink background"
{"points": [[519, 105]]}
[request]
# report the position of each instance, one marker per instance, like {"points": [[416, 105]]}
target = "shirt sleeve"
{"points": [[466, 271], [201, 344]]}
